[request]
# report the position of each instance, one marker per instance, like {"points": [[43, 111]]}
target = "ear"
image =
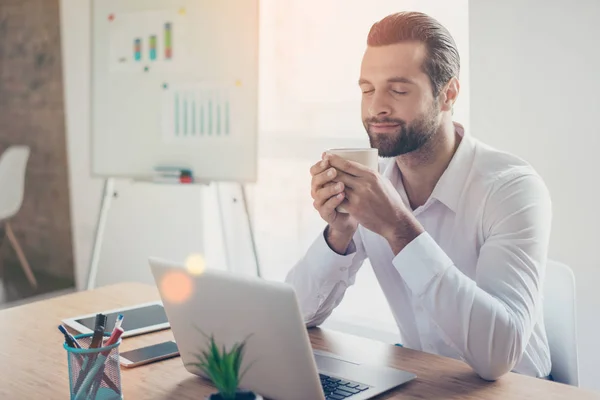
{"points": [[449, 94]]}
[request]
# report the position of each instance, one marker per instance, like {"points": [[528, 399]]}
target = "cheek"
{"points": [[409, 108], [364, 108], [407, 114]]}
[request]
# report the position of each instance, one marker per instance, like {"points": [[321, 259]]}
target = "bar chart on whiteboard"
{"points": [[148, 41], [196, 112]]}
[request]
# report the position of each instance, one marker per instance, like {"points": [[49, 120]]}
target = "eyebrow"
{"points": [[395, 79]]}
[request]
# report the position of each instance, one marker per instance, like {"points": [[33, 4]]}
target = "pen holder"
{"points": [[94, 374]]}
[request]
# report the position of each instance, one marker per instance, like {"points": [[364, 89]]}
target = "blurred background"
{"points": [[32, 113], [529, 85]]}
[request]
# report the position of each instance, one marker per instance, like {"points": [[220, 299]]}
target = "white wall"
{"points": [[535, 87], [85, 192], [144, 220], [304, 110]]}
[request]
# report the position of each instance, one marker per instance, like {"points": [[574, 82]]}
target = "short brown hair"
{"points": [[442, 62]]}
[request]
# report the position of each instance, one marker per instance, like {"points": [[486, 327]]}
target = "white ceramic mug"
{"points": [[368, 157]]}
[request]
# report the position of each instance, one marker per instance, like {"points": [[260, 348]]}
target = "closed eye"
{"points": [[397, 92], [368, 91]]}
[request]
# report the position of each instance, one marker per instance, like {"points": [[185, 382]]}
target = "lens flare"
{"points": [[176, 287], [195, 264]]}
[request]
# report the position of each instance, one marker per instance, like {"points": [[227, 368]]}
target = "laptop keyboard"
{"points": [[338, 389]]}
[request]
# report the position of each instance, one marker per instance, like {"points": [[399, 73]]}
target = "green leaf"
{"points": [[230, 376], [239, 355], [215, 351], [222, 367]]}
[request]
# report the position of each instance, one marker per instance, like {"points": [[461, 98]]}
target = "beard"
{"points": [[408, 137]]}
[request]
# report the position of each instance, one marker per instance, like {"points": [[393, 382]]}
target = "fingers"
{"points": [[329, 190], [349, 181], [321, 174], [327, 210], [349, 167], [320, 179], [319, 167]]}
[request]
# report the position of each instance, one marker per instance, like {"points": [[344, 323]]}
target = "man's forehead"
{"points": [[400, 58]]}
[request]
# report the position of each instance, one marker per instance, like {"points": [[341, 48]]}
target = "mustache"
{"points": [[385, 121]]}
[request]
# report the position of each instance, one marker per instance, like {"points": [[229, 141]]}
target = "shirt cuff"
{"points": [[421, 261], [329, 265]]}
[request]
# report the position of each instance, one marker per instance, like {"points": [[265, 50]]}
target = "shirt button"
{"points": [[344, 269]]}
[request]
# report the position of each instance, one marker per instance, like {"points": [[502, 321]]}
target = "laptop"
{"points": [[283, 365]]}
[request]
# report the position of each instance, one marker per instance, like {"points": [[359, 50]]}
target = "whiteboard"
{"points": [[175, 83]]}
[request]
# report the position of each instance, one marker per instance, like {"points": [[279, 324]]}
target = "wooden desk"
{"points": [[34, 364]]}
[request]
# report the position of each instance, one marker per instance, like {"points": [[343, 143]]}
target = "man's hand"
{"points": [[327, 195], [374, 202]]}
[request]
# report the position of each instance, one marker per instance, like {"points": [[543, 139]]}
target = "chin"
{"points": [[382, 143], [385, 151]]}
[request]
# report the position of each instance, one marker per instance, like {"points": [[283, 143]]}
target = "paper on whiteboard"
{"points": [[148, 41], [198, 111]]}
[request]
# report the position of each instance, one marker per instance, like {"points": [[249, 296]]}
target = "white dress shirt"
{"points": [[470, 286]]}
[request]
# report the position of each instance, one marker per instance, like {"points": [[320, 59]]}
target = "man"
{"points": [[456, 232]]}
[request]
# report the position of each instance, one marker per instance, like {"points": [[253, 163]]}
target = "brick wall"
{"points": [[32, 113]]}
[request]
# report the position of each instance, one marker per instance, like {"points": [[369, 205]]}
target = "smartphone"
{"points": [[148, 354]]}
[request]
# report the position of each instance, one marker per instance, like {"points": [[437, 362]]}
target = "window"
{"points": [[310, 101]]}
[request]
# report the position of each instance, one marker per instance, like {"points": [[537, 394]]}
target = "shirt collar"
{"points": [[449, 187]]}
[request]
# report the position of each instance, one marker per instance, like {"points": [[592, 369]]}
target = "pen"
{"points": [[115, 335], [73, 343], [97, 339], [119, 321], [89, 378], [69, 339], [98, 331], [95, 383]]}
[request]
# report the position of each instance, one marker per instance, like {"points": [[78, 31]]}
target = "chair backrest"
{"points": [[13, 163], [560, 319]]}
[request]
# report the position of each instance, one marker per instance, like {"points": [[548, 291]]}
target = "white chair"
{"points": [[560, 320], [13, 163]]}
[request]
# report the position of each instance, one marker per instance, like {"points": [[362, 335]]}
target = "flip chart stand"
{"points": [[107, 195]]}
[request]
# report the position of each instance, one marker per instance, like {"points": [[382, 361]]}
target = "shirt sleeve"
{"points": [[322, 276], [490, 319]]}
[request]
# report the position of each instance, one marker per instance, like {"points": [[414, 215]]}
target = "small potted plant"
{"points": [[222, 367]]}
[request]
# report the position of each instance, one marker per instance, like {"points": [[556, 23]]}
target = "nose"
{"points": [[379, 106]]}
